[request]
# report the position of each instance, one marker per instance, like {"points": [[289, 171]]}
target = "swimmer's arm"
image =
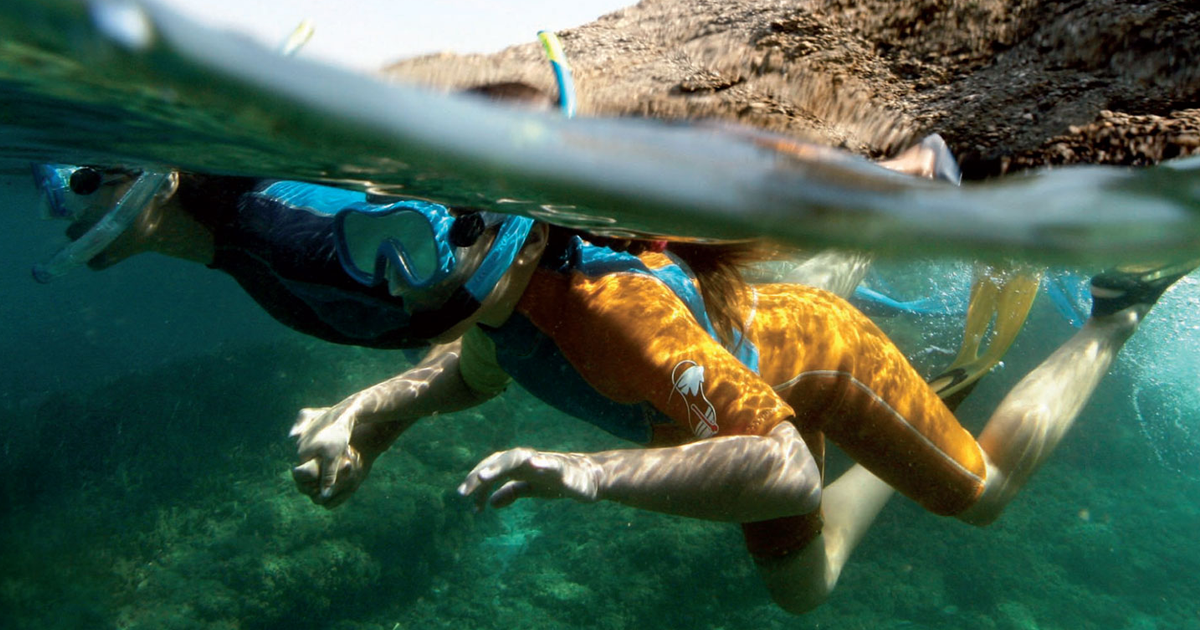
{"points": [[336, 446], [434, 386], [383, 412], [737, 478]]}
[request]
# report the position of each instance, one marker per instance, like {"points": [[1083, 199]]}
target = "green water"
{"points": [[158, 496], [145, 468]]}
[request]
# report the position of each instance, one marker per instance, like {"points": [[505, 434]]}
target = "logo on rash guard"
{"points": [[689, 382]]}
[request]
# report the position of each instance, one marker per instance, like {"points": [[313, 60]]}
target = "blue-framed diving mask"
{"points": [[71, 191], [417, 247], [413, 246]]}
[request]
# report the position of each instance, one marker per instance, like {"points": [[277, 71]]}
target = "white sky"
{"points": [[365, 34]]}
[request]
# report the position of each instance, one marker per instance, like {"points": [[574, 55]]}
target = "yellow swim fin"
{"points": [[1001, 298]]}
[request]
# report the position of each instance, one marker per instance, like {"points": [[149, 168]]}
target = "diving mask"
{"points": [[415, 246], [70, 191]]}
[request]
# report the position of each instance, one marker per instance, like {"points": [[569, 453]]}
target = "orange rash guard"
{"points": [[623, 341]]}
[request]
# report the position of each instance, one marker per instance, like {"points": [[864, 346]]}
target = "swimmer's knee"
{"points": [[797, 602], [800, 581], [992, 499]]}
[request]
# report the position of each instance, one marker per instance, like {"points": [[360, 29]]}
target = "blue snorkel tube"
{"points": [[381, 259], [101, 235], [562, 72]]}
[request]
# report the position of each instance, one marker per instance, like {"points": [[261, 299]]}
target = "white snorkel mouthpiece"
{"points": [[112, 225]]}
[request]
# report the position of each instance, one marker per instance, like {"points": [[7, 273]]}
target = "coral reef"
{"points": [[163, 500]]}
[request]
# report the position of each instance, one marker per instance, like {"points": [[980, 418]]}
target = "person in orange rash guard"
{"points": [[733, 423]]}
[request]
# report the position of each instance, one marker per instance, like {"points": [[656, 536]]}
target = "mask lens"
{"points": [[416, 239], [406, 238]]}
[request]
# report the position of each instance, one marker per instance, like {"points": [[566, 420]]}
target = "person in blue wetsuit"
{"points": [[275, 238]]}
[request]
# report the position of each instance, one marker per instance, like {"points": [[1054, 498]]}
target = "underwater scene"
{"points": [[146, 484], [145, 409]]}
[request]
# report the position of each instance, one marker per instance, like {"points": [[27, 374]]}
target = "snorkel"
{"points": [[409, 246], [562, 72], [78, 252]]}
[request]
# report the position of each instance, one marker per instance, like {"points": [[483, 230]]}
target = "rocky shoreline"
{"points": [[1010, 84]]}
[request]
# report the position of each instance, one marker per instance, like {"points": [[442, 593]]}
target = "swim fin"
{"points": [[1001, 299], [1122, 287]]}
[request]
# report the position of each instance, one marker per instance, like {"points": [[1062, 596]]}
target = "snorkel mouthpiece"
{"points": [[85, 181], [101, 235]]}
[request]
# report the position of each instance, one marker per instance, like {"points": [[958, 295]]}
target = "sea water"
{"points": [[143, 420], [145, 412]]}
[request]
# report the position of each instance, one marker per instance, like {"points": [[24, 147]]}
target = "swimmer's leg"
{"points": [[1031, 421], [802, 580], [836, 271], [930, 158], [1022, 433]]}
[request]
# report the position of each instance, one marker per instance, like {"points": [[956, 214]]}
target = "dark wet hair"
{"points": [[211, 198], [718, 270]]}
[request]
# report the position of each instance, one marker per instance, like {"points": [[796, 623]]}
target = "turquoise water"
{"points": [[144, 413], [146, 485]]}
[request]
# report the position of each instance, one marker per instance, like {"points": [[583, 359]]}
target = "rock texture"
{"points": [[1010, 84]]}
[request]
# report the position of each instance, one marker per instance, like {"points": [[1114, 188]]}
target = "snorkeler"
{"points": [[349, 268], [734, 402], [733, 387], [275, 238], [736, 386]]}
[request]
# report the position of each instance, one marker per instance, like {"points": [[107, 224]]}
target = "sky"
{"points": [[366, 34]]}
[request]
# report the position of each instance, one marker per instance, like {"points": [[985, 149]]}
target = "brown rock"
{"points": [[1095, 81]]}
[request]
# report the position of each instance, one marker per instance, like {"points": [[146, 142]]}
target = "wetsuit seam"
{"points": [[870, 392]]}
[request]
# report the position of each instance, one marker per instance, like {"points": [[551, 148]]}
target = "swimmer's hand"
{"points": [[519, 473], [330, 468]]}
